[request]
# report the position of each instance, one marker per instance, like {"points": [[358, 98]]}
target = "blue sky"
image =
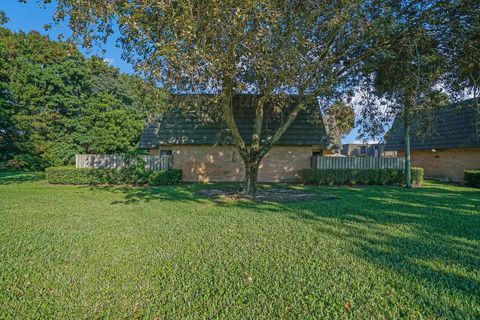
{"points": [[29, 16], [351, 137]]}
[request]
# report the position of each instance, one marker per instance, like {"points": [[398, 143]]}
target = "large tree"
{"points": [[406, 78], [434, 55], [7, 146], [56, 103], [287, 53]]}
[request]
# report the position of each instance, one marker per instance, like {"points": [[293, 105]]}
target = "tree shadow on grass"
{"points": [[432, 209], [180, 192], [425, 241], [428, 236], [185, 192], [16, 177], [146, 194]]}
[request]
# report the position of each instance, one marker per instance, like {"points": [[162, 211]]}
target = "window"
{"points": [[317, 153], [165, 152]]}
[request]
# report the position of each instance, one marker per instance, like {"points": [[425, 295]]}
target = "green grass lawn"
{"points": [[376, 252]]}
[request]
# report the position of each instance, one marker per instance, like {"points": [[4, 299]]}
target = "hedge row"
{"points": [[472, 178], [359, 176], [72, 175]]}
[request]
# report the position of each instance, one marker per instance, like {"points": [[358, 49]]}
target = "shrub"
{"points": [[72, 175], [472, 178], [359, 176], [134, 172], [165, 177], [417, 176]]}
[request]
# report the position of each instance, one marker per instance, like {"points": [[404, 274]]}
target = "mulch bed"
{"points": [[264, 195]]}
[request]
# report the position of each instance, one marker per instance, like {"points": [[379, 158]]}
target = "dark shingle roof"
{"points": [[176, 127], [454, 127]]}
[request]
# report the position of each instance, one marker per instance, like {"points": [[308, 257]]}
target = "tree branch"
{"points": [[328, 44], [283, 127], [227, 113], [257, 124], [362, 57]]}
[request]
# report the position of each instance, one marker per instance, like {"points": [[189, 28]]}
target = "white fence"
{"points": [[319, 162], [111, 161]]}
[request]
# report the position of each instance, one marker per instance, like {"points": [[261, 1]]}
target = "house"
{"points": [[203, 150], [452, 147], [366, 150]]}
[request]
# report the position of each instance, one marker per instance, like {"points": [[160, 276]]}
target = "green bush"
{"points": [[417, 176], [359, 176], [165, 177], [72, 175], [134, 172], [472, 178]]}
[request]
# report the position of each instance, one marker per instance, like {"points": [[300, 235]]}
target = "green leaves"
{"points": [[344, 116], [408, 75], [458, 24], [340, 177], [134, 175], [3, 17], [55, 103]]}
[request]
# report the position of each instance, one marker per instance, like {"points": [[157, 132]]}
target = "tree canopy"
{"points": [[433, 57], [458, 29], [56, 103], [414, 75]]}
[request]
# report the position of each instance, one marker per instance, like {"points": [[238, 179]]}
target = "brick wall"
{"points": [[446, 163], [282, 163], [224, 164]]}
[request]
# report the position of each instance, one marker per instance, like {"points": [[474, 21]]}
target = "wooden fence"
{"points": [[319, 162], [110, 161]]}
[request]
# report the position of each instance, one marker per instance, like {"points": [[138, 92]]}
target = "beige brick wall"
{"points": [[224, 164], [208, 163], [446, 163], [282, 163]]}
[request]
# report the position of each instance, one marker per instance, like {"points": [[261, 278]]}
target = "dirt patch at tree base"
{"points": [[264, 195]]}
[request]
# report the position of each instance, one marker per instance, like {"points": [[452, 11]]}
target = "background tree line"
{"points": [[55, 103]]}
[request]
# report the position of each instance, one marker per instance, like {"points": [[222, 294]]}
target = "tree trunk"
{"points": [[253, 154], [251, 173], [408, 171]]}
